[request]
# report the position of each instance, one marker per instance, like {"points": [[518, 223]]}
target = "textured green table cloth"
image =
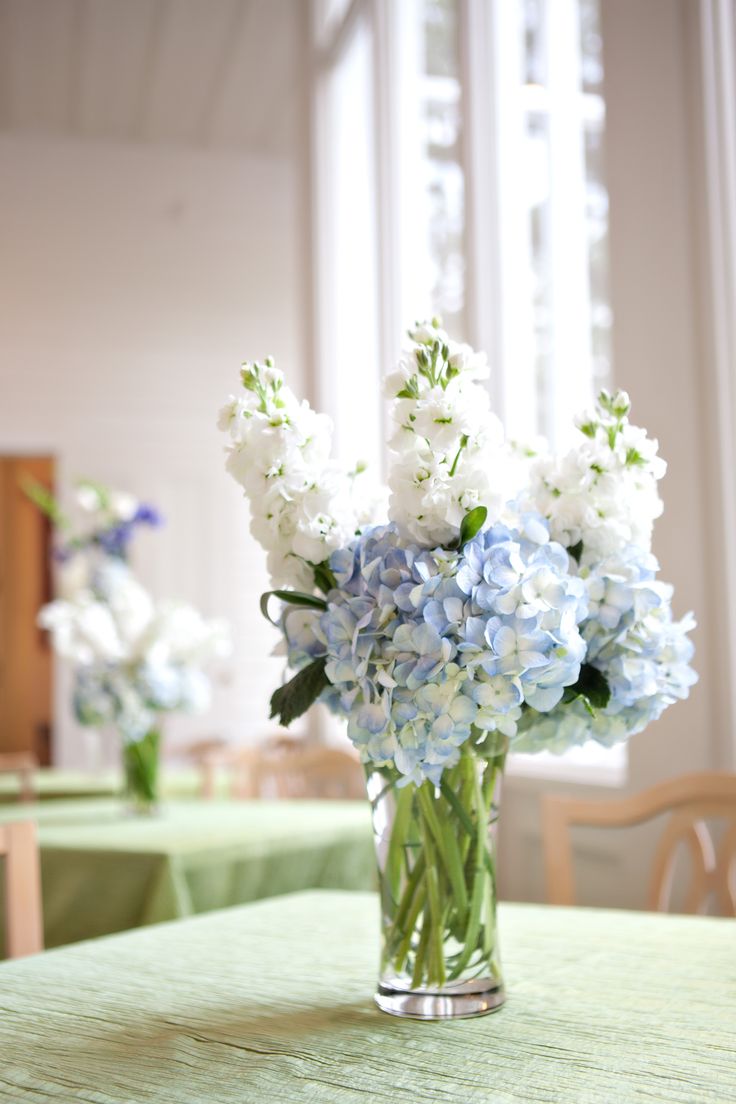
{"points": [[104, 871], [271, 1004], [56, 782]]}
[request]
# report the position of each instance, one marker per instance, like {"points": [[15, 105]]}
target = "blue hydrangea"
{"points": [[633, 641], [428, 649]]}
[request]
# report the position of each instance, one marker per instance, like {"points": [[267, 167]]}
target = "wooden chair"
{"points": [[24, 764], [310, 773], [237, 763], [691, 800], [241, 764], [198, 750], [23, 924]]}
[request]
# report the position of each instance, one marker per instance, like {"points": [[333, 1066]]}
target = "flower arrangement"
{"points": [[502, 602], [134, 658]]}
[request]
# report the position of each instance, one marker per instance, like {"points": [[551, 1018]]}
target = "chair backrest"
{"points": [[251, 767], [24, 764], [310, 772], [238, 764], [23, 917], [286, 768], [691, 800]]}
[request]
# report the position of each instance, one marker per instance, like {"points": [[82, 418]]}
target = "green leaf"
{"points": [[472, 524], [410, 390], [576, 551], [295, 697], [44, 500], [592, 687], [458, 454], [293, 598], [324, 578]]}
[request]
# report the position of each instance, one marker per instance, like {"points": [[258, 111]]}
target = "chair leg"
{"points": [[24, 931]]}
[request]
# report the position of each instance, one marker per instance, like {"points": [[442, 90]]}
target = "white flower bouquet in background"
{"points": [[134, 658], [499, 604]]}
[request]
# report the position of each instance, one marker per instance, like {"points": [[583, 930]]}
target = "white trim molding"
{"points": [[714, 72]]}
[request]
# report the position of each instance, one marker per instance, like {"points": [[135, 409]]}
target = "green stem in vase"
{"points": [[140, 761], [446, 845], [434, 916], [411, 888], [398, 841], [479, 879], [418, 972], [411, 922], [438, 885]]}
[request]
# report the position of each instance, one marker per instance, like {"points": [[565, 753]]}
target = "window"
{"points": [[347, 233], [459, 171]]}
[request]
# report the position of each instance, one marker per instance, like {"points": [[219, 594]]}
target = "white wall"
{"points": [[134, 281]]}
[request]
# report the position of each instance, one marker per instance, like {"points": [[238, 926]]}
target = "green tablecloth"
{"points": [[56, 782], [103, 871], [271, 1004]]}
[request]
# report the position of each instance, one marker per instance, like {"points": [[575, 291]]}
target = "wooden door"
{"points": [[25, 584]]}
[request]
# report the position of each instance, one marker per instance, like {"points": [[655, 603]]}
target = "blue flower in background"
{"points": [[147, 515]]}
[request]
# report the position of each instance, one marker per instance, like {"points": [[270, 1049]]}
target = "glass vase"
{"points": [[141, 772], [435, 848]]}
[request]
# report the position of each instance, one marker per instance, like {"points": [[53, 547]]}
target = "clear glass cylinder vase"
{"points": [[435, 848], [141, 772]]}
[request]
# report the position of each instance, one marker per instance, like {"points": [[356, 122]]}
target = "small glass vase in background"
{"points": [[435, 849], [141, 772]]}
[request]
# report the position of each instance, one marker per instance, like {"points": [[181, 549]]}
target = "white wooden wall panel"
{"points": [[210, 73]]}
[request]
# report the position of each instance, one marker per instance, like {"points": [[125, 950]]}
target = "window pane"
{"points": [[564, 179], [441, 162], [351, 325]]}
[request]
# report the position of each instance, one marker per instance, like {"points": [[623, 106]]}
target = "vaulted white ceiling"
{"points": [[220, 74]]}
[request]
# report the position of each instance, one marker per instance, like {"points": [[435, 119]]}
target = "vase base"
{"points": [[419, 1005], [141, 809]]}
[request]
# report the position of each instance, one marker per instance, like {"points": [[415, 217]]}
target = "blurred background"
{"points": [[185, 184]]}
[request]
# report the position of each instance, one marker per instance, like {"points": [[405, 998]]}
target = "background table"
{"points": [[55, 782], [104, 871], [272, 1003]]}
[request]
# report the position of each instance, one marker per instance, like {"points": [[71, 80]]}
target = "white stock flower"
{"points": [[602, 492], [303, 506], [447, 452]]}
